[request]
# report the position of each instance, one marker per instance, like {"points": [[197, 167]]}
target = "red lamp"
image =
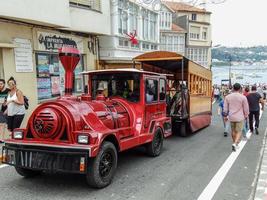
{"points": [[69, 58]]}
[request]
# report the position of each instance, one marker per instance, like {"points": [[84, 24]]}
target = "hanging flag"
{"points": [[132, 36]]}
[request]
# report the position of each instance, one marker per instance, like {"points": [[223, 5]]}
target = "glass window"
{"points": [[122, 85], [194, 17], [51, 76], [120, 21], [151, 90], [204, 33], [194, 32], [162, 86]]}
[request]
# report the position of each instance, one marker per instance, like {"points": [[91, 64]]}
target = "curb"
{"points": [[259, 190]]}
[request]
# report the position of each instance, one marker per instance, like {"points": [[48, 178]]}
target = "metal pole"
{"points": [[182, 88], [230, 61]]}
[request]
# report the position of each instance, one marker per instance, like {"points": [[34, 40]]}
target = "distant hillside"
{"points": [[238, 55]]}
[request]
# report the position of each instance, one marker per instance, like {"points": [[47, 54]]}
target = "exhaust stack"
{"points": [[69, 58]]}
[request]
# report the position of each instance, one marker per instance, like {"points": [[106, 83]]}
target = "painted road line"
{"points": [[4, 165], [214, 184]]}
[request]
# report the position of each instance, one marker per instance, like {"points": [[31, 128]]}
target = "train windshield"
{"points": [[125, 85]]}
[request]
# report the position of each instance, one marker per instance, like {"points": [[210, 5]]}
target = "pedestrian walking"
{"points": [[3, 120], [254, 100], [237, 109], [217, 93], [15, 105], [226, 124]]}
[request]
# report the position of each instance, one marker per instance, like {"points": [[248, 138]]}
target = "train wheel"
{"points": [[101, 169], [154, 148], [27, 173]]}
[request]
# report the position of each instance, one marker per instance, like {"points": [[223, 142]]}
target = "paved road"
{"points": [[183, 170]]}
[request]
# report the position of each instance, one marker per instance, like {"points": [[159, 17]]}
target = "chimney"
{"points": [[69, 58]]}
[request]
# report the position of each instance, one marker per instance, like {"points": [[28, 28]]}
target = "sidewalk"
{"points": [[261, 190]]}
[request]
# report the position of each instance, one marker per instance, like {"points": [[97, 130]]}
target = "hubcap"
{"points": [[106, 163]]}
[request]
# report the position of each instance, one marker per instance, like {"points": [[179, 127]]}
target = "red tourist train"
{"points": [[122, 109]]}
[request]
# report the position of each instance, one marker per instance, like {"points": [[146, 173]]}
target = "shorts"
{"points": [[237, 126], [14, 121]]}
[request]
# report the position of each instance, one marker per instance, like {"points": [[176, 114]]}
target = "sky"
{"points": [[239, 23]]}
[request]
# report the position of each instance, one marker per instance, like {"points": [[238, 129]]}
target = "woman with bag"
{"points": [[15, 106]]}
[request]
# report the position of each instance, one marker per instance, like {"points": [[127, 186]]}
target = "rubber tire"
{"points": [[93, 176], [27, 173], [150, 149]]}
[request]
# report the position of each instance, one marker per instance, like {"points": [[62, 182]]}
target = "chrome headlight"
{"points": [[18, 135], [83, 139]]}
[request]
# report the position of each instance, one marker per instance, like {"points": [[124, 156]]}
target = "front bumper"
{"points": [[46, 158]]}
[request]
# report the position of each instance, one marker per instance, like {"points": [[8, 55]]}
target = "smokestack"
{"points": [[69, 58]]}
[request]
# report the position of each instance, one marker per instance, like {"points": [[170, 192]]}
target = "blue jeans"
{"points": [[245, 127], [226, 126]]}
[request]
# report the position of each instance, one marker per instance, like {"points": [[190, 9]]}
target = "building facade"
{"points": [[31, 33], [129, 17], [172, 36], [196, 22]]}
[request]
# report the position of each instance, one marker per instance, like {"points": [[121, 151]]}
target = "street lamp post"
{"points": [[230, 66]]}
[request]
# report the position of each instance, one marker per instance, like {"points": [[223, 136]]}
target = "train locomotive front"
{"points": [[80, 135]]}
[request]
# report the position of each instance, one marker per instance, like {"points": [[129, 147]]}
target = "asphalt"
{"points": [[181, 172]]}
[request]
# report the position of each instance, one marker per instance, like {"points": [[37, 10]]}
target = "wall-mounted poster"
{"points": [[54, 69], [43, 83], [23, 55], [44, 93], [55, 85], [42, 59], [43, 70]]}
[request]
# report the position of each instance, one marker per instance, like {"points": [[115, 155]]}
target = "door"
{"points": [[151, 101]]}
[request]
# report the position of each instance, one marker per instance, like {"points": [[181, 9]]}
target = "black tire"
{"points": [[107, 160], [154, 148], [27, 173]]}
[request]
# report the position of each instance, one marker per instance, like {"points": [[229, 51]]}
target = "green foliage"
{"points": [[239, 54]]}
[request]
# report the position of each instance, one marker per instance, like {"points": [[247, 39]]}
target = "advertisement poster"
{"points": [[44, 93], [43, 70], [42, 59], [43, 83], [55, 83], [54, 69]]}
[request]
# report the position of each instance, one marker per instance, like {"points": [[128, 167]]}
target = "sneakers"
{"points": [[233, 147], [256, 131], [225, 134]]}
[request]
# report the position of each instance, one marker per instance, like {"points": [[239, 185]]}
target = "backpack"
{"points": [[26, 102]]}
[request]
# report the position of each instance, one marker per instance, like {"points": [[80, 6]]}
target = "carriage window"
{"points": [[151, 90], [162, 87], [122, 85]]}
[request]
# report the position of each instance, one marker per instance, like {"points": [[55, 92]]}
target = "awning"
{"points": [[7, 45], [162, 60]]}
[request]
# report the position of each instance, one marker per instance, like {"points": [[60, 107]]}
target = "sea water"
{"points": [[246, 74]]}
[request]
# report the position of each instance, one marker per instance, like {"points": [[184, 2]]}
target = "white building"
{"points": [[129, 16], [31, 31], [172, 36], [196, 22]]}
